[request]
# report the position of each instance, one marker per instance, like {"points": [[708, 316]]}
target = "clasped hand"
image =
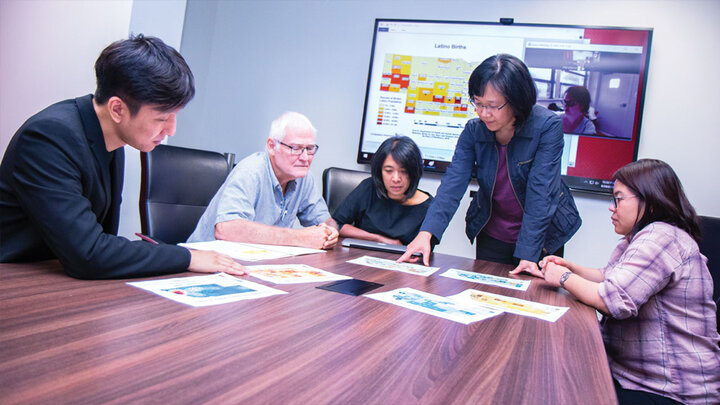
{"points": [[321, 236], [553, 267], [550, 269]]}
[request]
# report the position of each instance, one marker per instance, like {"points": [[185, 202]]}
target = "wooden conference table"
{"points": [[64, 340]]}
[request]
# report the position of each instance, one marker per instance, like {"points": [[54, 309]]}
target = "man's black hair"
{"points": [[143, 70]]}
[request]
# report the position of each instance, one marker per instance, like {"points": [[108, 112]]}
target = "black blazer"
{"points": [[60, 194]]}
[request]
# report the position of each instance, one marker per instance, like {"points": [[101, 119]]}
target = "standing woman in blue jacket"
{"points": [[522, 209]]}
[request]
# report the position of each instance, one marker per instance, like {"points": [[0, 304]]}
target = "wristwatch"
{"points": [[564, 277]]}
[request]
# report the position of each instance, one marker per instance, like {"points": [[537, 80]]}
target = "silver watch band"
{"points": [[564, 278]]}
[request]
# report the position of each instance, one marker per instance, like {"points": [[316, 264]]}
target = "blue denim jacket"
{"points": [[550, 216]]}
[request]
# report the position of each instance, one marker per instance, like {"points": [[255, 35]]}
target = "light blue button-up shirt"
{"points": [[252, 192]]}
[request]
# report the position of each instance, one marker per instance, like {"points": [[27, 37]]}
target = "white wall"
{"points": [[163, 19], [48, 50], [255, 59]]}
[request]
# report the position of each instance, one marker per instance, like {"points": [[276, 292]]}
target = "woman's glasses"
{"points": [[620, 198], [490, 108]]}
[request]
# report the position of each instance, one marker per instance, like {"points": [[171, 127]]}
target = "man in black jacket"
{"points": [[62, 174]]}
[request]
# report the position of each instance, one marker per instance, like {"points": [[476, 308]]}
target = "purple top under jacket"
{"points": [[507, 213]]}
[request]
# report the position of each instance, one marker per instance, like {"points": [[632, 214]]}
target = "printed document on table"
{"points": [[512, 305], [251, 252], [292, 274], [487, 279], [213, 289], [289, 250], [435, 305], [391, 265]]}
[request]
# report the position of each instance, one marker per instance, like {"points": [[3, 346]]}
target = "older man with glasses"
{"points": [[269, 191]]}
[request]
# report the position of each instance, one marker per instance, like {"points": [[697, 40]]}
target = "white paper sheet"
{"points": [[435, 305], [213, 289], [385, 264], [487, 279], [250, 252], [292, 274], [512, 305]]}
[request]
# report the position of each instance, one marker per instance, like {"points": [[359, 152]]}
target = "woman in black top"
{"points": [[388, 207]]}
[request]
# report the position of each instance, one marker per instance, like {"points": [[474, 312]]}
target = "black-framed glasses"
{"points": [[297, 150], [490, 108], [569, 103], [615, 199]]}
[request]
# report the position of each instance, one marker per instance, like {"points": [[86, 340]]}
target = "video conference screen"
{"points": [[594, 78]]}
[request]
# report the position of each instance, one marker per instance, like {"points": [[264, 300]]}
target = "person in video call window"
{"points": [[522, 209], [267, 192], [61, 177], [656, 291], [575, 118], [387, 207]]}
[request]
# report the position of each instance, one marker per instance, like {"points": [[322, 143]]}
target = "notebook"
{"points": [[379, 246]]}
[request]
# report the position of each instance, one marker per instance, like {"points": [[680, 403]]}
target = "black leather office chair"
{"points": [[710, 247], [176, 186], [338, 183]]}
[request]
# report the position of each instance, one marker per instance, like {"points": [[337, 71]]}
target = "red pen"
{"points": [[146, 238]]}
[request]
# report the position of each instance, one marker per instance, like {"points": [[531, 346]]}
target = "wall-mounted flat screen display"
{"points": [[593, 77]]}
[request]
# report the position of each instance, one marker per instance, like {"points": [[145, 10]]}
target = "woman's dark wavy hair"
{"points": [[404, 152], [661, 194], [511, 78], [143, 70]]}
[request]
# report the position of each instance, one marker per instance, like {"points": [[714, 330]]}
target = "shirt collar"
{"points": [[292, 184], [93, 130]]}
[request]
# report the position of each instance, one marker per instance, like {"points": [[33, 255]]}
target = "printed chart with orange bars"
{"points": [[434, 86]]}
